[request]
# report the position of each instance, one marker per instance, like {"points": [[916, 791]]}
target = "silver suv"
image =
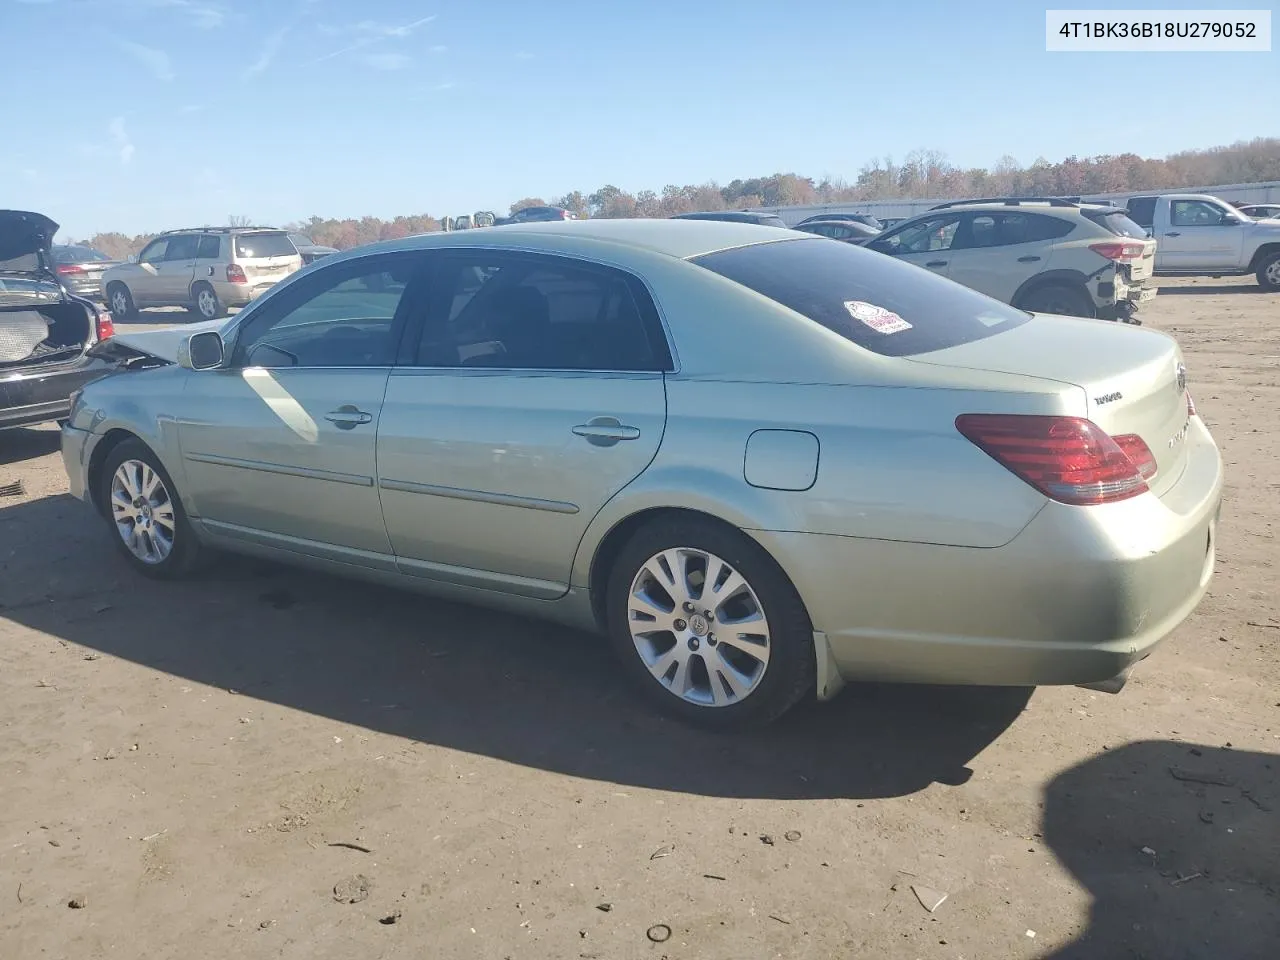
{"points": [[207, 270], [1043, 255]]}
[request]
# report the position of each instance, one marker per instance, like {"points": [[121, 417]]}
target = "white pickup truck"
{"points": [[1199, 235]]}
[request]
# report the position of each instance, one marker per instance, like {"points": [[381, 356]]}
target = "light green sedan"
{"points": [[760, 462]]}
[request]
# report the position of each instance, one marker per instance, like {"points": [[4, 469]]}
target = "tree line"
{"points": [[921, 175]]}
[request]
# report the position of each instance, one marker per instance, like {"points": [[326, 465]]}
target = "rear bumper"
{"points": [[1077, 597], [241, 294], [34, 395], [84, 287]]}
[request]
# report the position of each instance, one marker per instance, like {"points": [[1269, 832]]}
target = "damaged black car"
{"points": [[46, 333]]}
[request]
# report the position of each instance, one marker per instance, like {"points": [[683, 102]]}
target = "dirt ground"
{"points": [[190, 770]]}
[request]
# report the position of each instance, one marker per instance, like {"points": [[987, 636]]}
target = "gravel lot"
{"points": [[191, 769]]}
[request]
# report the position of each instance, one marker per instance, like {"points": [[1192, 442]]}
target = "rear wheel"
{"points": [[145, 512], [1060, 298], [120, 300], [1269, 272], [708, 625], [206, 302]]}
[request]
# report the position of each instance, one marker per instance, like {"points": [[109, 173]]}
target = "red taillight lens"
{"points": [[1191, 405], [1068, 459], [235, 273], [1136, 449], [1122, 252], [105, 325], [65, 268]]}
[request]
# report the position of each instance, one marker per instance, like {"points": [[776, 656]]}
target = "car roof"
{"points": [[672, 237]]}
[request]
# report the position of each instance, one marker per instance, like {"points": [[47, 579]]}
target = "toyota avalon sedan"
{"points": [[758, 462]]}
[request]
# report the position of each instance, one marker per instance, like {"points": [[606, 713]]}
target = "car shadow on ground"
{"points": [[21, 444], [1178, 844], [469, 679]]}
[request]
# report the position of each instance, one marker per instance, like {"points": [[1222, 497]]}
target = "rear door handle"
{"points": [[936, 263], [348, 417], [1173, 233], [605, 431], [1028, 259]]}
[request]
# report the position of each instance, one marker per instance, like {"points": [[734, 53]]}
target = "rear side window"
{"points": [[1118, 223], [1142, 210], [209, 245], [885, 305], [252, 246]]}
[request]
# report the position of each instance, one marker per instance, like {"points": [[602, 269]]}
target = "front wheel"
{"points": [[708, 625], [1058, 298], [142, 505], [1269, 272]]}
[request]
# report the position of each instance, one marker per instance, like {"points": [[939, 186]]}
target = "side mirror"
{"points": [[201, 351], [1229, 221]]}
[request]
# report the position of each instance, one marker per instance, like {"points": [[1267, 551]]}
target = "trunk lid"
{"points": [[1134, 380], [25, 241]]}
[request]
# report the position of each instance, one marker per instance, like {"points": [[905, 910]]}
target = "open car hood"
{"points": [[23, 233], [163, 344]]}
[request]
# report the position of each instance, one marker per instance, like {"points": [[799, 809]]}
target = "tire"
{"points": [[120, 302], [1269, 272], [1063, 299], [149, 554], [751, 691], [205, 302]]}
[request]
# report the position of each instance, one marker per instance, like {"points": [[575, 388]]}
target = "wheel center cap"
{"points": [[698, 625]]}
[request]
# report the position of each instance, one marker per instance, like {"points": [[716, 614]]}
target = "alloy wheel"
{"points": [[699, 627], [142, 511], [119, 302], [1273, 273], [207, 303]]}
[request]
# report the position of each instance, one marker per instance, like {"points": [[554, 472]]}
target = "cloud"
{"points": [[191, 108], [439, 48], [270, 47], [388, 61], [124, 146], [157, 61], [202, 13], [368, 32], [524, 55]]}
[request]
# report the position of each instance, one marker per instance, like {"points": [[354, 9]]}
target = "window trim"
{"points": [[156, 242], [656, 329], [1173, 208], [290, 297], [168, 252]]}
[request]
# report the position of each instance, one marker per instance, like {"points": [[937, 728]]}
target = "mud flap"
{"points": [[829, 680]]}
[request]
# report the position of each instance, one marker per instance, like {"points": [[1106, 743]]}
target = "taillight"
{"points": [[1191, 405], [1139, 454], [1068, 459], [65, 268], [235, 273], [105, 326], [1121, 252]]}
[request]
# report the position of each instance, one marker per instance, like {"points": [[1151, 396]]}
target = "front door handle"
{"points": [[936, 263], [605, 431], [348, 417], [1173, 233], [1028, 259]]}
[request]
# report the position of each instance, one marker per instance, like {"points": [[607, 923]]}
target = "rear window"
{"points": [[1118, 223], [1142, 210], [77, 255], [848, 289], [251, 246]]}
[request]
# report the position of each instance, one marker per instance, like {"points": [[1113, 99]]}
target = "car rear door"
{"points": [[175, 272], [211, 260], [535, 394], [279, 445], [995, 253]]}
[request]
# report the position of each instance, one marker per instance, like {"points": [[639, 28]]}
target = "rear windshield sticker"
{"points": [[877, 318]]}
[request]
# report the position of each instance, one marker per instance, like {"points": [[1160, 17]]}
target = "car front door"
{"points": [[926, 243], [535, 394], [174, 272], [145, 282], [278, 445], [1200, 235]]}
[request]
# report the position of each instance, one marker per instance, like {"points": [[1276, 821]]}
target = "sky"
{"points": [[154, 114]]}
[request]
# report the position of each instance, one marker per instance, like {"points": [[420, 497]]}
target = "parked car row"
{"points": [[684, 435]]}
